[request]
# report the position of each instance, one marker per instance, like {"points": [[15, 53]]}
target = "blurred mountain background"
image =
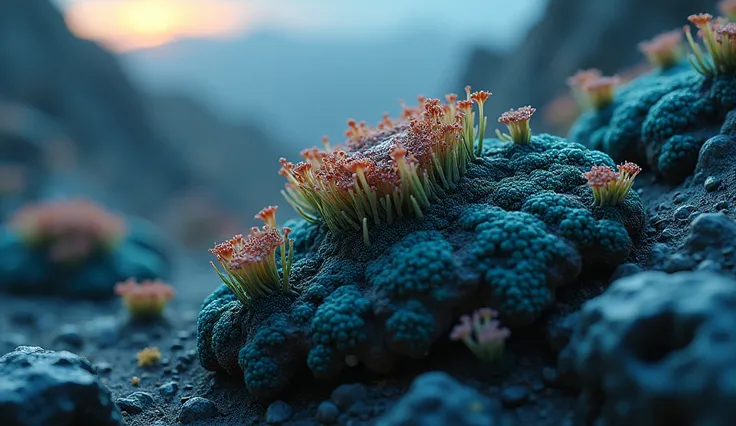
{"points": [[178, 110]]}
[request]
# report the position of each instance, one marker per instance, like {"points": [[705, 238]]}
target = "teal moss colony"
{"points": [[142, 254], [518, 225], [660, 119]]}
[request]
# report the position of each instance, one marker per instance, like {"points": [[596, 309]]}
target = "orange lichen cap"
{"points": [[701, 19], [268, 215]]}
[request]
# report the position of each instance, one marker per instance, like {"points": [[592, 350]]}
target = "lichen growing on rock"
{"points": [[517, 223], [75, 248], [662, 118]]}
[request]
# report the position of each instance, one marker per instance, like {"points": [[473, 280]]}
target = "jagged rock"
{"points": [[658, 349], [41, 387]]}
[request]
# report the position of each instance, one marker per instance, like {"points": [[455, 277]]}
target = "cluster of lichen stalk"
{"points": [[249, 263]]}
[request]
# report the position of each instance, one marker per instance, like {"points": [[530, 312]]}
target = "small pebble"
{"points": [[709, 265], [712, 183], [683, 212], [69, 337], [667, 233], [103, 367], [196, 409], [278, 412], [188, 387], [183, 335], [549, 375], [168, 389], [177, 346], [136, 402], [514, 396], [327, 412], [721, 205], [347, 395], [678, 198]]}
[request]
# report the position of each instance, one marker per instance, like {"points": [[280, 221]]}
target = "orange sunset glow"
{"points": [[133, 24]]}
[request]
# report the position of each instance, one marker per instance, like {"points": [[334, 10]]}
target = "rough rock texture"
{"points": [[518, 226], [661, 119], [658, 349], [40, 387], [142, 254], [436, 399], [572, 34]]}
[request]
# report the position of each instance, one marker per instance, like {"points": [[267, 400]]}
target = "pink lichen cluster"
{"points": [[611, 187], [69, 230], [718, 37], [249, 262], [144, 300], [482, 333], [592, 89], [517, 122], [390, 170], [665, 50]]}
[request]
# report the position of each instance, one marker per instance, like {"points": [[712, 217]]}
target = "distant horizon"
{"points": [[128, 25]]}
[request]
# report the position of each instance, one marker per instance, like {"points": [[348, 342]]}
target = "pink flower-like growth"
{"points": [[144, 300], [482, 333], [718, 36], [249, 263], [517, 122], [591, 89], [728, 8], [385, 172], [611, 187], [69, 230], [664, 50], [600, 91]]}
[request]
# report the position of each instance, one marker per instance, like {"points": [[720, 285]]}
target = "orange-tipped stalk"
{"points": [[250, 263], [482, 334], [609, 187], [389, 171], [719, 39], [68, 230], [728, 8], [480, 98], [665, 50], [144, 300], [517, 122]]}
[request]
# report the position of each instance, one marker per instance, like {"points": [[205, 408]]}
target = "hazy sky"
{"points": [[128, 24]]}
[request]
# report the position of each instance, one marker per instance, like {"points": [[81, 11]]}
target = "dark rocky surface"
{"points": [[657, 349], [41, 387]]}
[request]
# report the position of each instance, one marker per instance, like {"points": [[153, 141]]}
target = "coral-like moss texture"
{"points": [[660, 119], [517, 226]]}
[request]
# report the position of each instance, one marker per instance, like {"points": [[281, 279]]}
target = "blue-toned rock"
{"points": [[658, 349], [436, 399], [41, 387]]}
